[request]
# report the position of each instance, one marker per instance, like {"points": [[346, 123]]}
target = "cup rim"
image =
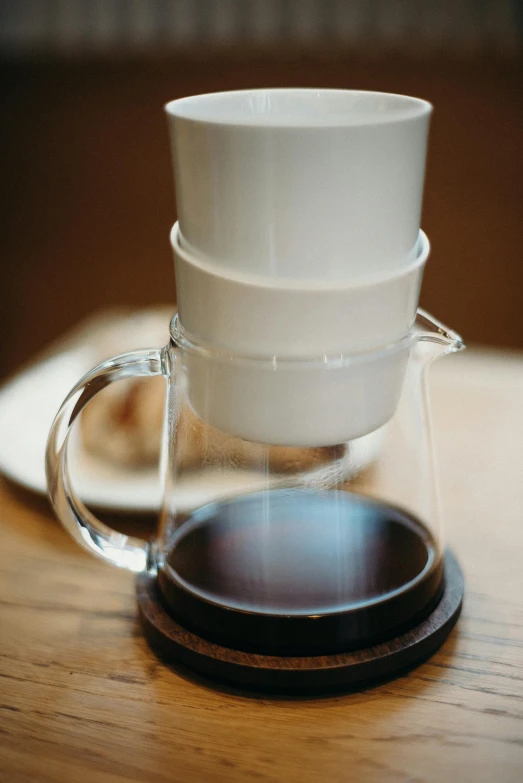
{"points": [[301, 284], [263, 108]]}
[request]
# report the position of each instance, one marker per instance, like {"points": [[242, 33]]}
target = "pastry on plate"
{"points": [[123, 423]]}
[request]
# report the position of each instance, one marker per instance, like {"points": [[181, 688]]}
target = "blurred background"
{"points": [[87, 192]]}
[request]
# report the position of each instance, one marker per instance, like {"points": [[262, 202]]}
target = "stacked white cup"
{"points": [[298, 256]]}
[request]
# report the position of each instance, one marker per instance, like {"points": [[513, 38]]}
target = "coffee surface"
{"points": [[300, 553]]}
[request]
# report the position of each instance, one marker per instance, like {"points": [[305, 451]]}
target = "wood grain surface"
{"points": [[82, 698]]}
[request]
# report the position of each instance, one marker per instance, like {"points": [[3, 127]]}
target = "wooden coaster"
{"points": [[350, 671]]}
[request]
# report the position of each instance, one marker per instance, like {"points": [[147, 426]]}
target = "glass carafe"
{"points": [[298, 516]]}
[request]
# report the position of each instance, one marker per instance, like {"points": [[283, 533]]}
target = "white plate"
{"points": [[28, 405]]}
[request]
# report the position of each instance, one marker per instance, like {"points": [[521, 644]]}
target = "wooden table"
{"points": [[83, 699]]}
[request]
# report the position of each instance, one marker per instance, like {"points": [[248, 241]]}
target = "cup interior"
{"points": [[299, 108]]}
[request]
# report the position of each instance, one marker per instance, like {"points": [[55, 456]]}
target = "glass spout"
{"points": [[443, 340]]}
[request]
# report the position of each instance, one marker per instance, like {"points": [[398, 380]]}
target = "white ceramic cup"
{"points": [[317, 185], [290, 402], [245, 317]]}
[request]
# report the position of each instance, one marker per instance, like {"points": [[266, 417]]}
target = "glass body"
{"points": [[301, 544]]}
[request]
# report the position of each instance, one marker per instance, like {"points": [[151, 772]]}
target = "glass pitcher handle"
{"points": [[120, 550]]}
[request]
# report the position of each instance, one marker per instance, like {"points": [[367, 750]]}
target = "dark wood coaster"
{"points": [[352, 670]]}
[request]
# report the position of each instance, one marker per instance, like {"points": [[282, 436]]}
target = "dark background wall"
{"points": [[87, 195]]}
